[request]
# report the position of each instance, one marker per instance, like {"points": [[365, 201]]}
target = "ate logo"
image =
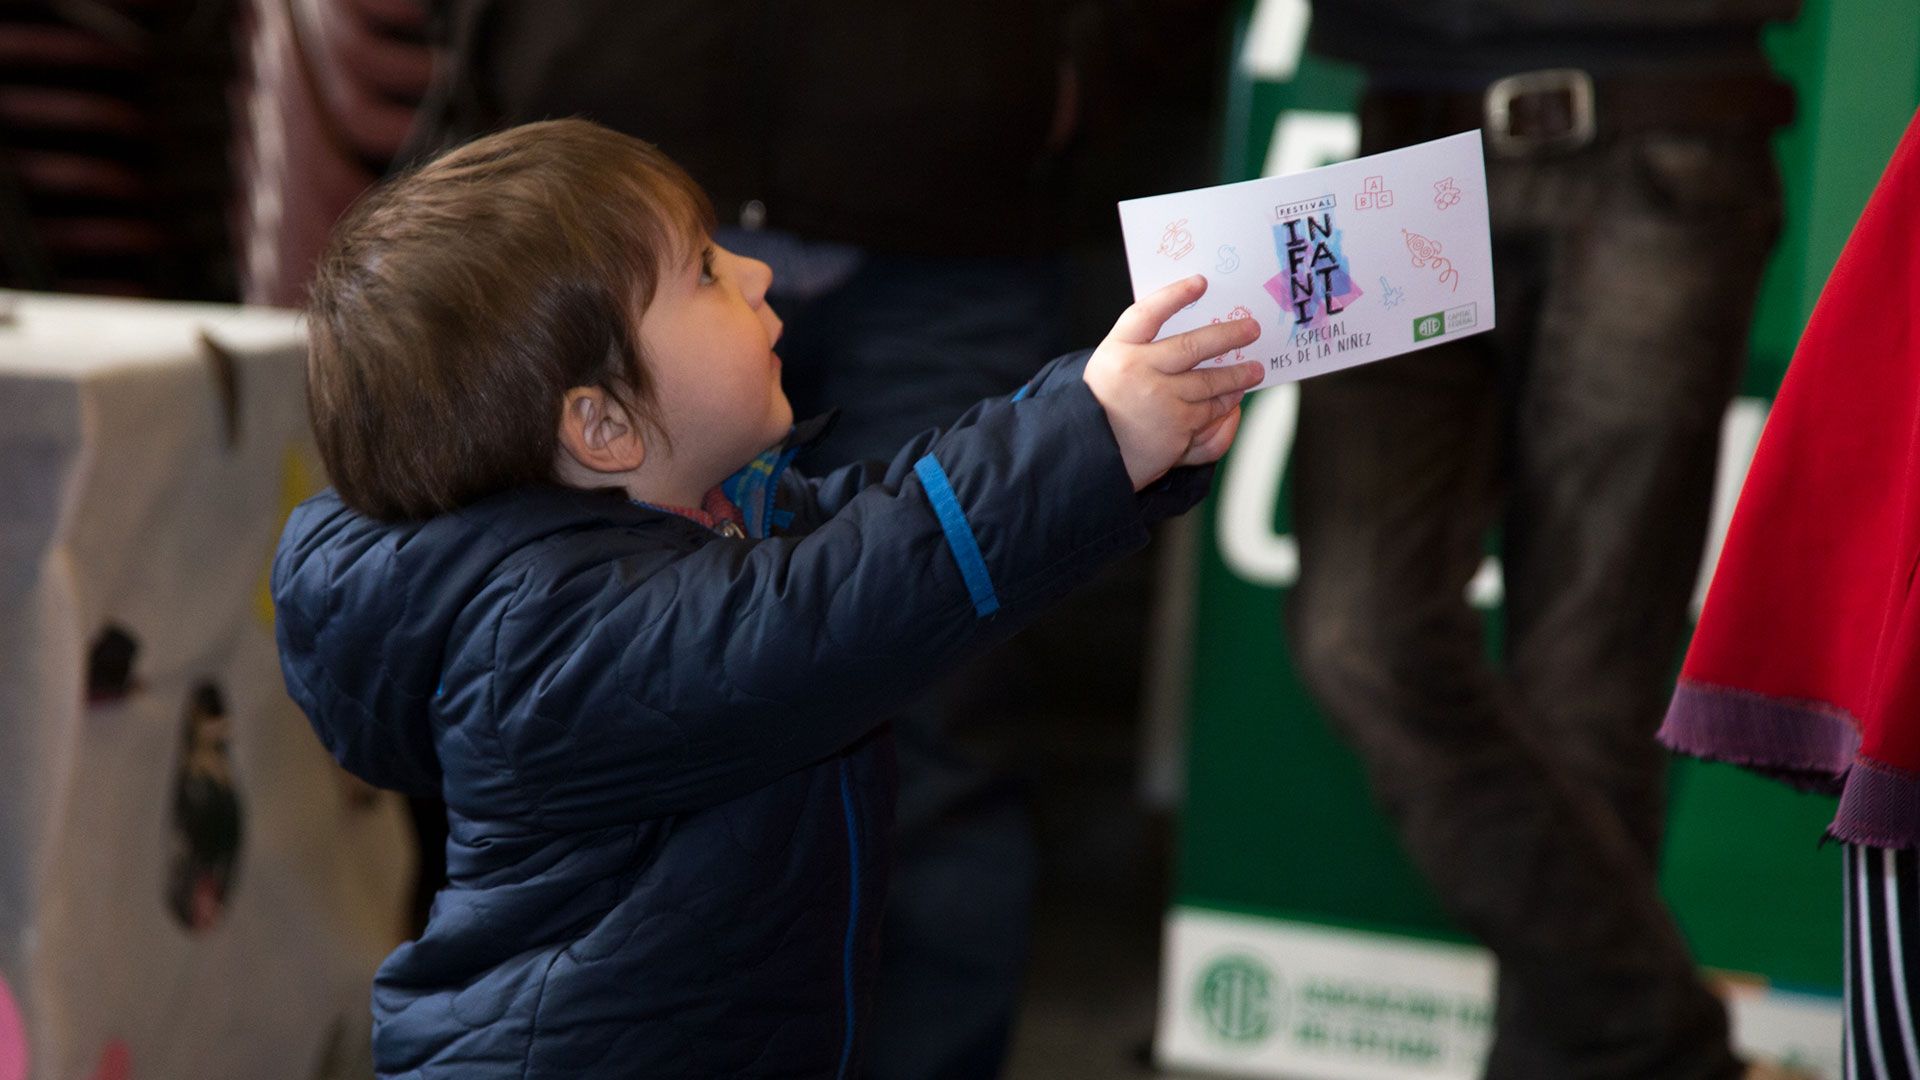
{"points": [[1238, 999]]}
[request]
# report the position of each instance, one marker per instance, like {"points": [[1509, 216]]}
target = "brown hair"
{"points": [[455, 305]]}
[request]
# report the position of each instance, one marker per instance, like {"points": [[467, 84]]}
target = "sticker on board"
{"points": [[207, 824]]}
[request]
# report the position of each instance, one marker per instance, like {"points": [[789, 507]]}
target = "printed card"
{"points": [[1341, 265]]}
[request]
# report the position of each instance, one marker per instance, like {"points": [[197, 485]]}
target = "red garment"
{"points": [[715, 510], [1806, 663]]}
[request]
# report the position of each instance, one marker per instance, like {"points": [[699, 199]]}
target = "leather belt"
{"points": [[1560, 110]]}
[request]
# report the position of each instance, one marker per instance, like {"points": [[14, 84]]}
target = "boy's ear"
{"points": [[599, 434]]}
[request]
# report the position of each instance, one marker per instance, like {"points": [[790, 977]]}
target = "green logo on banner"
{"points": [[1429, 326], [1237, 998]]}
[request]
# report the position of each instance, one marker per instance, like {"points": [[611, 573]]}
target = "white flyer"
{"points": [[1340, 265]]}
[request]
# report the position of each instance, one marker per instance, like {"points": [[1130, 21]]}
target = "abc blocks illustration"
{"points": [[1373, 194]]}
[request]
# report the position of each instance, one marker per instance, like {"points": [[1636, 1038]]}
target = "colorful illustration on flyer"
{"points": [[1176, 243], [1229, 260], [1239, 312], [1373, 194], [1445, 194], [1389, 294], [1426, 253], [1314, 282]]}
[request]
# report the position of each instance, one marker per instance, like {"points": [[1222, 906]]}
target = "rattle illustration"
{"points": [[1176, 243]]}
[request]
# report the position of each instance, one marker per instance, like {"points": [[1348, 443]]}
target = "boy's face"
{"points": [[708, 338]]}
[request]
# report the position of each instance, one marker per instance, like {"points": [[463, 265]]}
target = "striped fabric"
{"points": [[1883, 963]]}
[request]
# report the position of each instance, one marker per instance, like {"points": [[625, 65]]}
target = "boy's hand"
{"points": [[1165, 412]]}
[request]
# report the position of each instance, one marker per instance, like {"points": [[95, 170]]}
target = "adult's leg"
{"points": [[1883, 963], [1398, 471], [1393, 480], [1394, 484], [1652, 248]]}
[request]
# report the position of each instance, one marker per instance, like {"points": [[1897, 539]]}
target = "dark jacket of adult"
{"points": [[661, 748], [909, 126], [1481, 39]]}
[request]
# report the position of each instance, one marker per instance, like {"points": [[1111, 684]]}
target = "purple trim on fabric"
{"points": [[1880, 807], [1805, 743]]}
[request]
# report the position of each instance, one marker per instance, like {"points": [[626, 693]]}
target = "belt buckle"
{"points": [[1501, 94]]}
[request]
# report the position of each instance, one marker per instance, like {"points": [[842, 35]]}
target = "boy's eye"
{"points": [[706, 267]]}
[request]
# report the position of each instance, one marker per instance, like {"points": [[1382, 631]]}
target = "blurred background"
{"points": [[187, 886]]}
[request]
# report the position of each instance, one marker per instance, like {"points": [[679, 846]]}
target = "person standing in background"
{"points": [[1634, 199]]}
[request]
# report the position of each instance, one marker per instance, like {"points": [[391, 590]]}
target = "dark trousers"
{"points": [[902, 345], [1883, 964], [1530, 793]]}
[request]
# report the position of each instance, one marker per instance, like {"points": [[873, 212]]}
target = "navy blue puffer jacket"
{"points": [[662, 750]]}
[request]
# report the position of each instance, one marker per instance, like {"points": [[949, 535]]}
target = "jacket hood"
{"points": [[365, 611]]}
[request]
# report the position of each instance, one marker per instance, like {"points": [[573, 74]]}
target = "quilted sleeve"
{"points": [[684, 684], [1174, 494]]}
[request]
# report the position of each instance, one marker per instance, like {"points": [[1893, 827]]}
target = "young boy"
{"points": [[563, 582]]}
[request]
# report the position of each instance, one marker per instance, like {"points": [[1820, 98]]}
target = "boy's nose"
{"points": [[757, 278]]}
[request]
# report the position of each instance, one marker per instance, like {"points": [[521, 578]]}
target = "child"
{"points": [[568, 581]]}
